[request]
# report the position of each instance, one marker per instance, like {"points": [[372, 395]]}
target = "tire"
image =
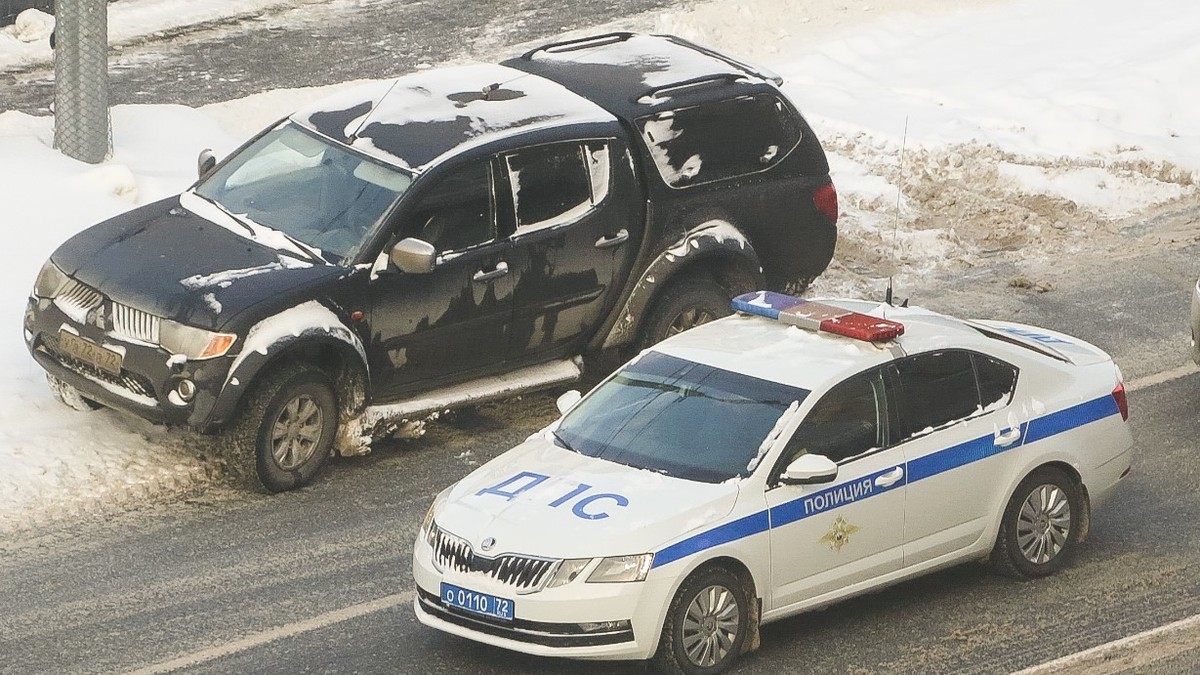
{"points": [[707, 624], [684, 304], [288, 426], [1041, 526], [69, 396]]}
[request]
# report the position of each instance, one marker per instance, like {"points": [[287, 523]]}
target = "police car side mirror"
{"points": [[808, 470], [568, 401], [205, 162], [413, 256]]}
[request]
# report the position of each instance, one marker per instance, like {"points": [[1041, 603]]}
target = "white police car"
{"points": [[749, 469]]}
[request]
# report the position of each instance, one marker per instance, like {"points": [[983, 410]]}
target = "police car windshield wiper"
{"points": [[558, 440]]}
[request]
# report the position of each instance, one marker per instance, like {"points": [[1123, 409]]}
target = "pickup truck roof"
{"points": [[413, 120]]}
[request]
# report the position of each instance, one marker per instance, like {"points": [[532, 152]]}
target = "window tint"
{"points": [[997, 380], [848, 421], [939, 388], [719, 140], [458, 212], [553, 184]]}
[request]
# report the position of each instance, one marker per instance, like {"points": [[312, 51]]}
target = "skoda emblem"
{"points": [[487, 544]]}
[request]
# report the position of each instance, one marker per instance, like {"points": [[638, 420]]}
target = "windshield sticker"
{"points": [[510, 487]]}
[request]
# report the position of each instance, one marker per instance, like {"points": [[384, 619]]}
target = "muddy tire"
{"points": [[707, 624], [287, 427], [69, 396], [1041, 526], [684, 304]]}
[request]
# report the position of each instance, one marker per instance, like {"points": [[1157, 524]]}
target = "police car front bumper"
{"points": [[602, 621]]}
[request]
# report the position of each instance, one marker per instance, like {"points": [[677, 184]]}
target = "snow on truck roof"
{"points": [[773, 350], [413, 120]]}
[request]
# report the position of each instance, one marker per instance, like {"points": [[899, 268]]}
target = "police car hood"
{"points": [[543, 500]]}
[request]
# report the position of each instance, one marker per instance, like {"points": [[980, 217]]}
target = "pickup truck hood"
{"points": [[532, 500], [173, 263]]}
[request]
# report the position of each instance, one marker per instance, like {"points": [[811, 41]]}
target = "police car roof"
{"points": [[413, 120], [813, 360]]}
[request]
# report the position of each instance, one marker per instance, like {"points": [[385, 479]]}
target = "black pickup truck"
{"points": [[449, 237]]}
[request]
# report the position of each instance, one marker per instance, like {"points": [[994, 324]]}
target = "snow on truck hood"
{"points": [[543, 500]]}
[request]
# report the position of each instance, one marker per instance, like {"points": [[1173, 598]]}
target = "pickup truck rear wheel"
{"points": [[289, 424], [684, 305]]}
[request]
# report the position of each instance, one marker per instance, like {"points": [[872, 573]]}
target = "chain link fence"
{"points": [[81, 123]]}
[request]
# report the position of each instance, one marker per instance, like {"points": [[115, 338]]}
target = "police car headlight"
{"points": [[50, 281], [622, 568], [568, 570], [429, 529]]}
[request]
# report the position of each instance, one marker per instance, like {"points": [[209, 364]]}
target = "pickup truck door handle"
{"points": [[617, 239], [1008, 438], [483, 277], [890, 477]]}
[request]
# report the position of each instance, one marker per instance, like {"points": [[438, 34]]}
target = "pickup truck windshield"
{"points": [[678, 418], [316, 191]]}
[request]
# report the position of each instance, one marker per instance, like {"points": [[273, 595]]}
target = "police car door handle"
{"points": [[616, 240], [1008, 438], [500, 270], [890, 477]]}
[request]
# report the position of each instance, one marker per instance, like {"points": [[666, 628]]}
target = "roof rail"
{"points": [[650, 95], [760, 72], [579, 43]]}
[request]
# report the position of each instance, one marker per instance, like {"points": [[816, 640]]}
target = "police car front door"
{"points": [[827, 536]]}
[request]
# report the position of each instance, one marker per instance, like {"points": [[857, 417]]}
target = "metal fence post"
{"points": [[81, 123]]}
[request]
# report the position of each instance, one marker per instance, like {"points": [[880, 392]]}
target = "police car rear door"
{"points": [[829, 535], [954, 411]]}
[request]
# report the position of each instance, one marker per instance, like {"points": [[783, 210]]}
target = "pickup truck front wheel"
{"points": [[684, 305], [288, 426]]}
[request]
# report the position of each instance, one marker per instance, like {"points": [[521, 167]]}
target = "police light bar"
{"points": [[817, 316]]}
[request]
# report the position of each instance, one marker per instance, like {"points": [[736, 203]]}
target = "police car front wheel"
{"points": [[1041, 525], [706, 624]]}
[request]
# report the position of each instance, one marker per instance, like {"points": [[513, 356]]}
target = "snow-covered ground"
{"points": [[1026, 128]]}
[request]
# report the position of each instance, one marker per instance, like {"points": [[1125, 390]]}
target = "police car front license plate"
{"points": [[478, 603]]}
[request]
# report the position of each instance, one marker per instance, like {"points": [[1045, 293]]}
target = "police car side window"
{"points": [[939, 388], [997, 381], [850, 420]]}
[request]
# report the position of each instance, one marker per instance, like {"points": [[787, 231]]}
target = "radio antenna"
{"points": [[896, 223]]}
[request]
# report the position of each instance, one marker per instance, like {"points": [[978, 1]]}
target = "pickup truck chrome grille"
{"points": [[134, 324], [76, 300], [526, 573]]}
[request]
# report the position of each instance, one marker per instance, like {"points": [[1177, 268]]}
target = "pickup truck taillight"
{"points": [[825, 199]]}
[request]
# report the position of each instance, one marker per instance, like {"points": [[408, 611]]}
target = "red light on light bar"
{"points": [[863, 327]]}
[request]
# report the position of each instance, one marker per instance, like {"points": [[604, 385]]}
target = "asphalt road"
{"points": [[247, 582]]}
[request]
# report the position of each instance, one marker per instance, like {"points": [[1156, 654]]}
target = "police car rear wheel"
{"points": [[1041, 525], [706, 625]]}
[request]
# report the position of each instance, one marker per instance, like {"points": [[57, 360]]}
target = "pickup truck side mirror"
{"points": [[808, 470], [413, 256], [568, 401], [205, 162]]}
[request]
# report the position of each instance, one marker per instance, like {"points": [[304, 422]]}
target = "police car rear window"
{"points": [[678, 418]]}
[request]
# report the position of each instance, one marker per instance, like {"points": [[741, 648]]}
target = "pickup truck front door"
{"points": [[452, 323]]}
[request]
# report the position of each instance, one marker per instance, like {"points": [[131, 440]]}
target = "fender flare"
{"points": [[307, 324], [710, 239]]}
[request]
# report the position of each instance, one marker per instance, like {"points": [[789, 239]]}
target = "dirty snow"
{"points": [[1028, 129]]}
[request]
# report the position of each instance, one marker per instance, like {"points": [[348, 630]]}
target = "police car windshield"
{"points": [[678, 418]]}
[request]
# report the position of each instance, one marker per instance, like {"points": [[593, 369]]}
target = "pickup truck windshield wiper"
{"points": [[305, 248], [227, 212]]}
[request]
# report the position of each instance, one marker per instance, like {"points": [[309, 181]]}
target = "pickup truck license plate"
{"points": [[90, 352], [479, 603]]}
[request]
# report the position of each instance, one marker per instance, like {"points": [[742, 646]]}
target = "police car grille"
{"points": [[76, 300], [524, 572], [134, 323]]}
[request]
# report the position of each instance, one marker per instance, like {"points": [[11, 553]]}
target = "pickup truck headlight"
{"points": [[194, 343], [50, 281], [622, 568]]}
